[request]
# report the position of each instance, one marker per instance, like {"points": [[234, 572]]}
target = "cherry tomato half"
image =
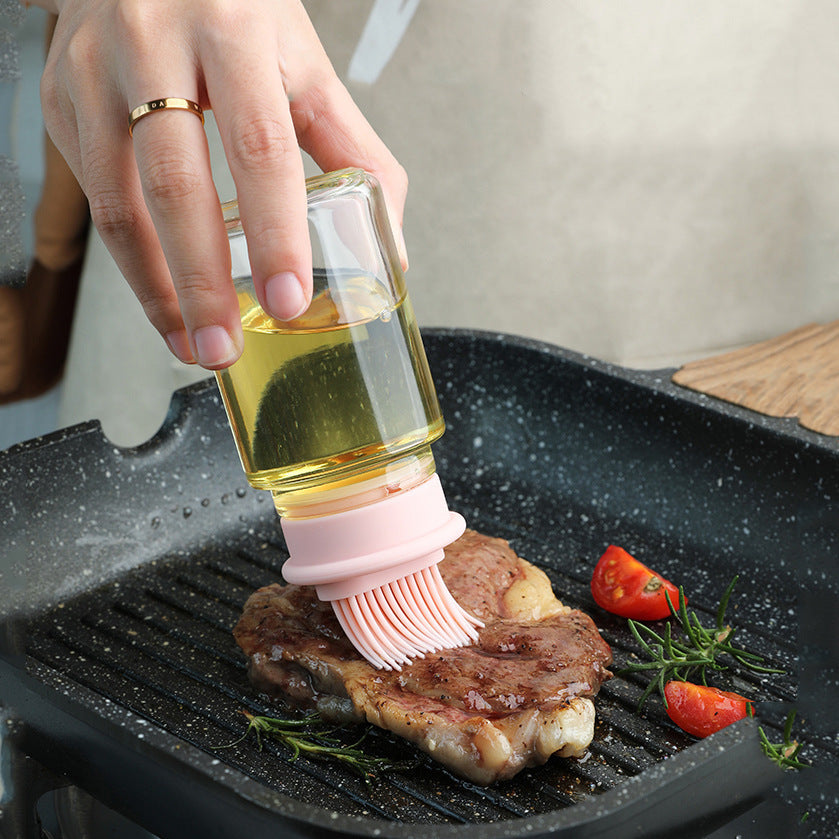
{"points": [[626, 587], [702, 710]]}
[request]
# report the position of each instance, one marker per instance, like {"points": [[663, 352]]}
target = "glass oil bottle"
{"points": [[335, 413]]}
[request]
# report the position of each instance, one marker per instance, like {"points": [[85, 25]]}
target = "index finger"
{"points": [[267, 167]]}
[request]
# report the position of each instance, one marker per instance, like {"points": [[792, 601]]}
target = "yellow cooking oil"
{"points": [[335, 405]]}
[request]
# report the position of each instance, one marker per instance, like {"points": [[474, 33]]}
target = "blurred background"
{"points": [[647, 182]]}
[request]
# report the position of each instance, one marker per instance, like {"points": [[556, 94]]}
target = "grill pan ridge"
{"points": [[127, 569]]}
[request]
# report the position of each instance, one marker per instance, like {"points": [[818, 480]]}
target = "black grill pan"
{"points": [[125, 570]]}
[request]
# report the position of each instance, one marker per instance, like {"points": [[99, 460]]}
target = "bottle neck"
{"points": [[349, 493]]}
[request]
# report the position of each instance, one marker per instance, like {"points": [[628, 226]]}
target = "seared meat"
{"points": [[519, 695]]}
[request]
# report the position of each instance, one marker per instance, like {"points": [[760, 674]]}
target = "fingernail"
{"points": [[214, 347], [284, 296], [178, 345]]}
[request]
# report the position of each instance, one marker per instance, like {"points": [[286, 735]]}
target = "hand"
{"points": [[260, 66]]}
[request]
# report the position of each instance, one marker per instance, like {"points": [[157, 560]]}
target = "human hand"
{"points": [[260, 65]]}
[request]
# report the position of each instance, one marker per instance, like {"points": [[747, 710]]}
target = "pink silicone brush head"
{"points": [[377, 565]]}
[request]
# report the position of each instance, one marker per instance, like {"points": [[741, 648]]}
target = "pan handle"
{"points": [[793, 375], [24, 781]]}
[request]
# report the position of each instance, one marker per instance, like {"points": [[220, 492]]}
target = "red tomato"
{"points": [[702, 710], [622, 585]]}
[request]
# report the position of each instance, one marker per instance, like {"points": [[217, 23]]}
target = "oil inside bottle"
{"points": [[336, 407]]}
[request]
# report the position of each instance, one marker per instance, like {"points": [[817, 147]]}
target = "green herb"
{"points": [[315, 738], [785, 754], [689, 658]]}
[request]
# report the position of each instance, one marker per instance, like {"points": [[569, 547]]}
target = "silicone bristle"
{"points": [[405, 619]]}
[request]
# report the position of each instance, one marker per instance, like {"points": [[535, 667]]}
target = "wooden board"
{"points": [[793, 375]]}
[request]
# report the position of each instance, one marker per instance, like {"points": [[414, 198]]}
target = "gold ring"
{"points": [[161, 105]]}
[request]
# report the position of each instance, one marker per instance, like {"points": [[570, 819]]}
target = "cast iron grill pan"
{"points": [[559, 455]]}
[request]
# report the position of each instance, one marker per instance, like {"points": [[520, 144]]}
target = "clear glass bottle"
{"points": [[335, 412], [338, 406]]}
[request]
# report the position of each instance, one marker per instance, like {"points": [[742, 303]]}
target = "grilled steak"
{"points": [[518, 696]]}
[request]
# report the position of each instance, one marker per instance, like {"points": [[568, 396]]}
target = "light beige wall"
{"points": [[644, 181]]}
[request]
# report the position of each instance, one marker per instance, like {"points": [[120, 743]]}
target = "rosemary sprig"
{"points": [[785, 754], [313, 737], [689, 659]]}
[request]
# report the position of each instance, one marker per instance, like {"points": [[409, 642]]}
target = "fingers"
{"points": [[118, 209], [173, 164], [86, 120], [152, 198], [170, 149], [265, 161]]}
